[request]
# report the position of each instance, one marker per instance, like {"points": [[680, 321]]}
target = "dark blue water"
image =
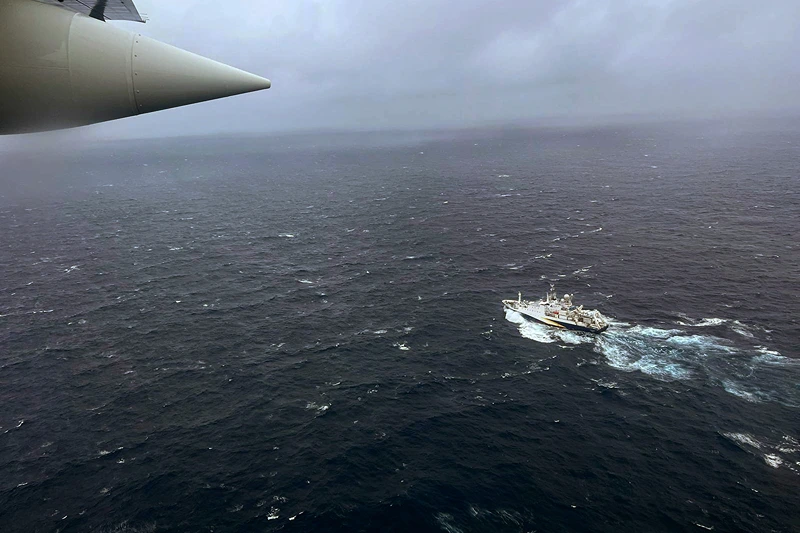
{"points": [[305, 333]]}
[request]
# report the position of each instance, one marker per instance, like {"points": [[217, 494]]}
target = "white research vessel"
{"points": [[559, 313]]}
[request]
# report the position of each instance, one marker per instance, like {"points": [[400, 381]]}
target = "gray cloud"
{"points": [[372, 64]]}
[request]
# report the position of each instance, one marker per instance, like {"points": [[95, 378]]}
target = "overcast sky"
{"points": [[378, 64]]}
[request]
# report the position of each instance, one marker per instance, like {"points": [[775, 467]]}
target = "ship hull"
{"points": [[560, 324]]}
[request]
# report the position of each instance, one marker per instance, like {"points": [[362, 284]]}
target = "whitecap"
{"points": [[763, 350], [582, 270], [709, 322], [774, 454], [286, 235], [743, 438], [306, 281], [445, 520], [742, 329], [737, 390], [605, 384], [788, 445]]}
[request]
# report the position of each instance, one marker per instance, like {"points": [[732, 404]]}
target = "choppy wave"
{"points": [[784, 453], [755, 374], [745, 330], [125, 527]]}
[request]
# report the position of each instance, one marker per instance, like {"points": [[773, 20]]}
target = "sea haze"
{"points": [[306, 333]]}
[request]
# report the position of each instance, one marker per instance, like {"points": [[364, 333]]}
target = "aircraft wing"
{"points": [[101, 9], [63, 68]]}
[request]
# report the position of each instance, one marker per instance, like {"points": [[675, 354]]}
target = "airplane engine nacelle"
{"points": [[61, 69]]}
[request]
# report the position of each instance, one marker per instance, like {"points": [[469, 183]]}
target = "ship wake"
{"points": [[754, 373]]}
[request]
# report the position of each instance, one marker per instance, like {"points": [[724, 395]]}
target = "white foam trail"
{"points": [[632, 353], [655, 333], [697, 341], [673, 354], [529, 329], [572, 337]]}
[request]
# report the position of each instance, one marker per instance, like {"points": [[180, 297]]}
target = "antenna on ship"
{"points": [[552, 292]]}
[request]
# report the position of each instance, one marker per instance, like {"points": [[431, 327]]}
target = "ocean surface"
{"points": [[305, 333]]}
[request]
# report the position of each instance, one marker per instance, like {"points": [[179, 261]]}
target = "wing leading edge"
{"points": [[101, 9]]}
